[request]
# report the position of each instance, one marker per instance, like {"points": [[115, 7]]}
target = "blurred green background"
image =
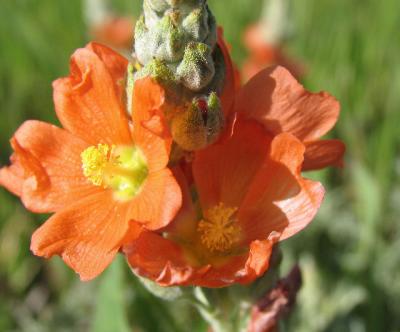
{"points": [[350, 255]]}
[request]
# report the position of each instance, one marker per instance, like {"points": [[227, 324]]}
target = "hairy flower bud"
{"points": [[200, 125], [176, 43], [197, 69]]}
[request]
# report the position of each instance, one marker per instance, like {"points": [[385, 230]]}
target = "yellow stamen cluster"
{"points": [[218, 229], [95, 161], [120, 168]]}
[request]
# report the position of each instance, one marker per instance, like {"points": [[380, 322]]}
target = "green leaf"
{"points": [[165, 293], [110, 311]]}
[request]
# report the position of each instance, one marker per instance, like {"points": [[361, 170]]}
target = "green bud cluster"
{"points": [[176, 43], [183, 35]]}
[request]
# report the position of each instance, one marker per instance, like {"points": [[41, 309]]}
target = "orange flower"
{"points": [[97, 173], [263, 55], [276, 100], [251, 195], [116, 32]]}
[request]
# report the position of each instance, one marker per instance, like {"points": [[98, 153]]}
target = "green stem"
{"points": [[218, 309]]}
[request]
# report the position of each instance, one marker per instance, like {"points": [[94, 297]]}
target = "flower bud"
{"points": [[156, 69], [200, 125], [176, 43], [197, 69]]}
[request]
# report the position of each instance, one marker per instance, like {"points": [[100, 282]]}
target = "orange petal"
{"points": [[133, 233], [242, 269], [158, 201], [320, 154], [156, 258], [301, 210], [224, 171], [258, 261], [155, 149], [50, 159], [12, 177], [157, 124], [230, 123], [150, 129], [32, 177], [274, 98], [184, 224], [116, 64], [148, 96], [279, 199], [87, 102], [166, 263], [228, 92], [87, 235], [252, 67]]}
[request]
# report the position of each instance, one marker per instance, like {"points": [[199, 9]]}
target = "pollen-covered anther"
{"points": [[120, 168], [96, 160], [218, 229]]}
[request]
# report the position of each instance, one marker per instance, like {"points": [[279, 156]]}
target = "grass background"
{"points": [[350, 256]]}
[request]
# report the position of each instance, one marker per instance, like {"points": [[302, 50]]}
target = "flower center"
{"points": [[121, 168], [218, 229]]}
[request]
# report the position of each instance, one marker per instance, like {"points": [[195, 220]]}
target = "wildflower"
{"points": [[275, 99], [264, 54], [265, 41], [108, 27], [115, 31], [97, 173], [250, 196]]}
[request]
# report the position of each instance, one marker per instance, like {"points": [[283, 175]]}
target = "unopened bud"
{"points": [[183, 34], [200, 125], [196, 25], [156, 69], [197, 69], [176, 43]]}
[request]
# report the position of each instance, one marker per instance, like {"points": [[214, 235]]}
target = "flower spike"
{"points": [[176, 43]]}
